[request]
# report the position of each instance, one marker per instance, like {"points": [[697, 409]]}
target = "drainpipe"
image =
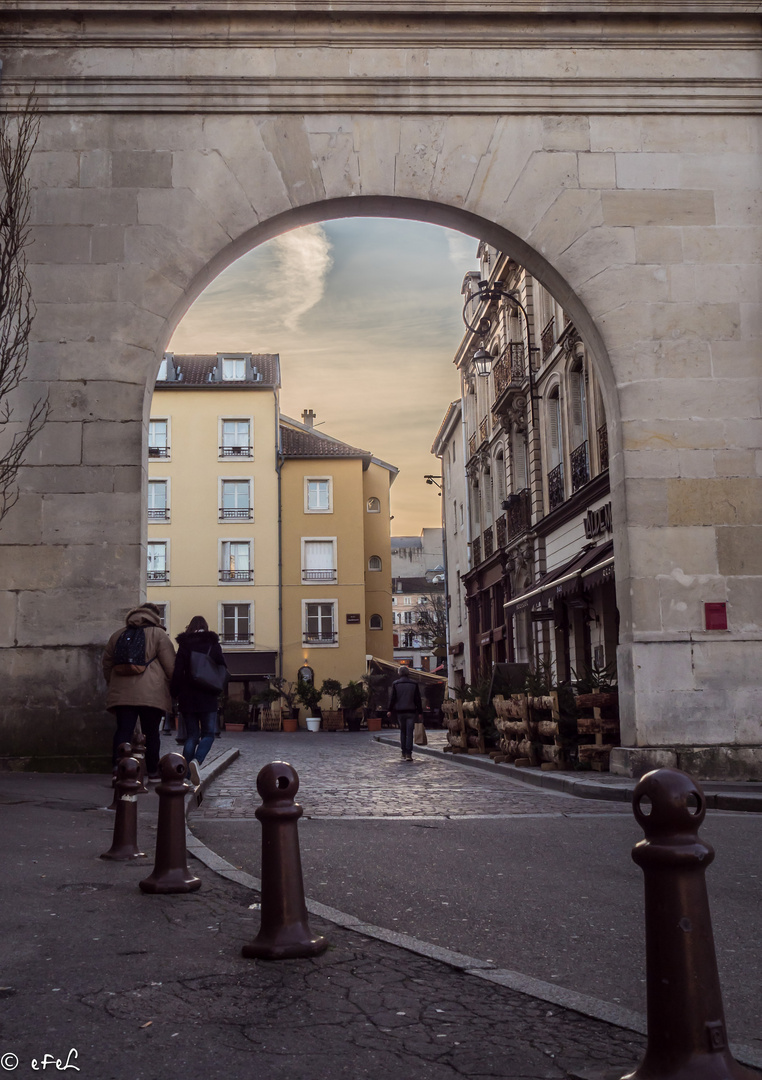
{"points": [[278, 468]]}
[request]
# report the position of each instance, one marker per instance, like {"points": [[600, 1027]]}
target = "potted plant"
{"points": [[310, 696], [333, 718], [373, 689], [287, 691], [236, 715], [353, 697]]}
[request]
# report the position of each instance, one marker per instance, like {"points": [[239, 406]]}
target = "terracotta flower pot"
{"points": [[290, 724], [374, 723], [234, 727]]}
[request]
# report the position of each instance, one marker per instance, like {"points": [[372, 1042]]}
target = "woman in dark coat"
{"points": [[198, 706]]}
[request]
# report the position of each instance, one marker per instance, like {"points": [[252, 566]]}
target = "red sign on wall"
{"points": [[716, 616]]}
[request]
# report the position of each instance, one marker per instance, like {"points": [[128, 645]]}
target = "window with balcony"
{"points": [[236, 624], [318, 560], [376, 623], [235, 560], [236, 439], [158, 438], [158, 501], [374, 562], [374, 505], [233, 368], [235, 500], [318, 495], [555, 451], [580, 453], [319, 622], [158, 562]]}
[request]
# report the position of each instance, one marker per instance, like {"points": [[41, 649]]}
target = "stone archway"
{"points": [[628, 193]]}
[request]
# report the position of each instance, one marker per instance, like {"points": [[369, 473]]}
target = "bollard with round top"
{"points": [[170, 873], [125, 842], [284, 932], [687, 1039], [123, 750], [139, 753]]}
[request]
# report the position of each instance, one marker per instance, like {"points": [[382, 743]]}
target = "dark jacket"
{"points": [[189, 696], [406, 696]]}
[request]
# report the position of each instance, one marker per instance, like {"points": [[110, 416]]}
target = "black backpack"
{"points": [[130, 652]]}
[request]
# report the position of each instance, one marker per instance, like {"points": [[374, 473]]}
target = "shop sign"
{"points": [[598, 522]]}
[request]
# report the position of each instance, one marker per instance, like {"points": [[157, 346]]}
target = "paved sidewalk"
{"points": [[125, 986], [534, 881]]}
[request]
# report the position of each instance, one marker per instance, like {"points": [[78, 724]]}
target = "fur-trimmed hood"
{"points": [[200, 639]]}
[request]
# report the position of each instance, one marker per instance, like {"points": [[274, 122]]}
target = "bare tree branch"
{"points": [[431, 626], [18, 136]]}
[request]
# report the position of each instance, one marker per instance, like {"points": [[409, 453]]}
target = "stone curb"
{"points": [[581, 788], [584, 1004]]}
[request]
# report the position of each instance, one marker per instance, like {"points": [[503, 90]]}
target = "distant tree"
{"points": [[431, 626], [18, 136]]}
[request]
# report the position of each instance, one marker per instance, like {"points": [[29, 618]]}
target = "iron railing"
{"points": [[236, 639], [157, 575], [580, 466], [235, 575], [548, 338], [476, 548], [158, 513], [322, 637], [519, 513], [158, 451], [603, 447], [471, 445], [237, 513], [556, 486], [318, 575], [487, 538], [484, 430], [235, 451], [501, 531]]}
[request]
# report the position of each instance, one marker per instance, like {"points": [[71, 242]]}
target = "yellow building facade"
{"points": [[212, 501], [337, 603], [276, 533]]}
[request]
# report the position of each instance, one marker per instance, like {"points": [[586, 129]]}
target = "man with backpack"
{"points": [[406, 707], [138, 665]]}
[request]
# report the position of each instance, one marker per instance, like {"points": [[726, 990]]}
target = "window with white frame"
{"points": [[236, 624], [318, 559], [158, 500], [235, 560], [318, 495], [376, 623], [407, 601], [233, 368], [374, 562], [235, 436], [158, 438], [158, 561], [319, 622], [235, 500], [374, 505], [408, 618]]}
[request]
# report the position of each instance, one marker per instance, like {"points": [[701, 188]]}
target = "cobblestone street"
{"points": [[347, 776]]}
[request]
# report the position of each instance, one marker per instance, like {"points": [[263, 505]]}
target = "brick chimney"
{"points": [[308, 418]]}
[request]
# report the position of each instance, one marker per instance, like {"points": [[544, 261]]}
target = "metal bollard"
{"points": [[125, 842], [284, 932], [686, 1020], [123, 750], [170, 873], [139, 753]]}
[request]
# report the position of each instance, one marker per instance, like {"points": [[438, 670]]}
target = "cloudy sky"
{"points": [[365, 313]]}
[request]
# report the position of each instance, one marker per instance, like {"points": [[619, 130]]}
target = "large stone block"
{"points": [[658, 207], [111, 518], [739, 550], [141, 169], [44, 568], [687, 551], [718, 501]]}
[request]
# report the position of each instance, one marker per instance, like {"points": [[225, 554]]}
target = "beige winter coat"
{"points": [[152, 687]]}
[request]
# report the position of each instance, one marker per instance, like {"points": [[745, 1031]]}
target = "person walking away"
{"points": [[406, 707], [138, 663], [198, 706]]}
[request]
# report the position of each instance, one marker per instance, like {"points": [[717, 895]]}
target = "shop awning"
{"points": [[375, 663], [251, 665], [584, 571]]}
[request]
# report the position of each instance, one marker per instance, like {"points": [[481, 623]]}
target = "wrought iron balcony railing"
{"points": [[238, 513], [318, 575], [580, 466], [158, 451], [158, 513], [236, 639], [501, 531], [476, 548], [235, 575], [158, 575], [489, 546], [603, 447], [548, 338], [484, 429], [556, 486], [235, 451], [518, 513], [471, 445], [322, 637]]}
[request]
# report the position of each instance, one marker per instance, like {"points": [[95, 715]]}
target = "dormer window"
{"points": [[233, 369]]}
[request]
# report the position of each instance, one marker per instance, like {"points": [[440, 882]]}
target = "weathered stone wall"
{"points": [[617, 157]]}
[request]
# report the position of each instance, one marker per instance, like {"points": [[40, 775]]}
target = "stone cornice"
{"points": [[448, 96], [683, 8]]}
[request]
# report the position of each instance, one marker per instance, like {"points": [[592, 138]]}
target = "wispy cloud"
{"points": [[462, 250], [303, 261]]}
